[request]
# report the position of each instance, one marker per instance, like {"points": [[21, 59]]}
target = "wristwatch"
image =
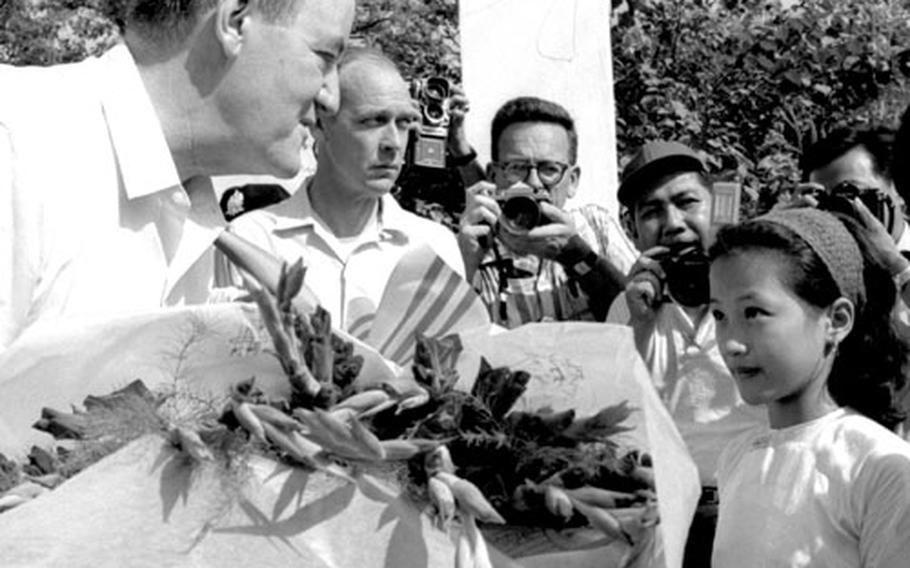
{"points": [[577, 257], [585, 265], [459, 161]]}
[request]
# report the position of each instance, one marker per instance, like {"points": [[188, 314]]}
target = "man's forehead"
{"points": [[368, 83], [856, 165], [674, 184], [545, 139]]}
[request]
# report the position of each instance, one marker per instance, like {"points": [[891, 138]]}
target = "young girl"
{"points": [[803, 323]]}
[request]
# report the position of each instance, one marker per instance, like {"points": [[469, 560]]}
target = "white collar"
{"points": [[903, 243], [297, 212], [145, 160]]}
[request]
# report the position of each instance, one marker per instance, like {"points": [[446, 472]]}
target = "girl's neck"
{"points": [[813, 401]]}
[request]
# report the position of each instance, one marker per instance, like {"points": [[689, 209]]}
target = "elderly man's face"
{"points": [[280, 74], [364, 144], [543, 145], [676, 213]]}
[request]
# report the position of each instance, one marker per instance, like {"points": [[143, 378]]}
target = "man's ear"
{"points": [[231, 19], [840, 320], [628, 223], [574, 176]]}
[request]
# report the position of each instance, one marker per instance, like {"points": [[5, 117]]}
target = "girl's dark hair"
{"points": [[868, 369]]}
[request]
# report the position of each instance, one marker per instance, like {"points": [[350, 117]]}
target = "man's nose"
{"points": [[675, 220], [533, 178], [328, 98], [391, 140]]}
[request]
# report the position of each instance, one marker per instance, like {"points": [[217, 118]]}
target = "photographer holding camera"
{"points": [[668, 200], [854, 172], [850, 171], [530, 259]]}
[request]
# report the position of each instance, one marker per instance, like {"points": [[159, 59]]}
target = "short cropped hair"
{"points": [[172, 20], [368, 54], [532, 109], [877, 141]]}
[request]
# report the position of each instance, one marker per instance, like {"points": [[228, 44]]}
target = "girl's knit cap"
{"points": [[832, 242]]}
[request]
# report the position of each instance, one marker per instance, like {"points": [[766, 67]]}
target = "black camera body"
{"points": [[429, 145], [687, 276], [879, 204], [520, 206]]}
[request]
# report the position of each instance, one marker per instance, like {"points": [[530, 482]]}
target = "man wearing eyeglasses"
{"points": [[530, 259]]}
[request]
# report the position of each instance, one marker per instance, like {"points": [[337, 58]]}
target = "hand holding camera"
{"points": [[524, 221], [475, 233], [531, 225], [680, 274], [645, 288], [875, 212]]}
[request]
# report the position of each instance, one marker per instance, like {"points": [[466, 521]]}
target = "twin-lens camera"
{"points": [[433, 96]]}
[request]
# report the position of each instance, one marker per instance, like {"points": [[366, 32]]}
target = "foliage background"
{"points": [[748, 82], [752, 82]]}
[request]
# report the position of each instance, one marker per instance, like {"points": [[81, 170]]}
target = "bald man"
{"points": [[342, 221]]}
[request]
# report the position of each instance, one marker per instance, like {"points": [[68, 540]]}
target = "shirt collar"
{"points": [[903, 243], [146, 163], [297, 212]]}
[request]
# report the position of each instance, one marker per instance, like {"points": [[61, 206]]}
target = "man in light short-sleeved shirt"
{"points": [[343, 222]]}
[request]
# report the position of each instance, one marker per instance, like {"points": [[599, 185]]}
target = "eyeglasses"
{"points": [[549, 172]]}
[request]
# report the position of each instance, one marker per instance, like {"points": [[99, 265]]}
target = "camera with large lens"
{"points": [[838, 200], [520, 207], [429, 147], [687, 276]]}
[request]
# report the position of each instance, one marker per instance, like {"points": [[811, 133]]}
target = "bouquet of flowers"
{"points": [[464, 451]]}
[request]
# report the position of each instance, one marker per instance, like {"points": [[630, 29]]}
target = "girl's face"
{"points": [[772, 341]]}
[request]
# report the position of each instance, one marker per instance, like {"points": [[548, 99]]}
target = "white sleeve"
{"points": [[884, 523], [17, 243]]}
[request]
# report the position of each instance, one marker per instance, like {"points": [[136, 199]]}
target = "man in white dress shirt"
{"points": [[105, 202], [343, 221]]}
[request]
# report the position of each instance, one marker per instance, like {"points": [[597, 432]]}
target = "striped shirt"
{"points": [[540, 290]]}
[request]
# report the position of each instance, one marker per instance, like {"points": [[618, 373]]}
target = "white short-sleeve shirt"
{"points": [[347, 278], [93, 217]]}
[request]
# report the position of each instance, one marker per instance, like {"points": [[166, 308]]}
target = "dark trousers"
{"points": [[701, 534]]}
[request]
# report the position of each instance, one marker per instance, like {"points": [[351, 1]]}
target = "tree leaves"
{"points": [[758, 80]]}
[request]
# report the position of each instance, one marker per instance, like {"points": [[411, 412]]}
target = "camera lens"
{"points": [[521, 213], [434, 112], [437, 89]]}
